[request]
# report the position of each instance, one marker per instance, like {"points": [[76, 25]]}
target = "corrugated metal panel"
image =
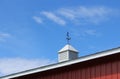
{"points": [[114, 70], [98, 71], [108, 70], [73, 74], [88, 73], [92, 69], [83, 74], [103, 71], [78, 74], [70, 75], [118, 69]]}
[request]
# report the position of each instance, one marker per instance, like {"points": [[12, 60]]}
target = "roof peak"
{"points": [[68, 47]]}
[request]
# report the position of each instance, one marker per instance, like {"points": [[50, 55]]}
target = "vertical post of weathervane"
{"points": [[68, 38]]}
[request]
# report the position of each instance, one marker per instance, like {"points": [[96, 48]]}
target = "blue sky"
{"points": [[33, 31]]}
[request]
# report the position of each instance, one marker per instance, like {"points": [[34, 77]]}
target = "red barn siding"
{"points": [[102, 71], [102, 68], [108, 69], [118, 69], [98, 71], [114, 70]]}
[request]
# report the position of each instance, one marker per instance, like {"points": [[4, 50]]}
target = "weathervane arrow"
{"points": [[68, 38]]}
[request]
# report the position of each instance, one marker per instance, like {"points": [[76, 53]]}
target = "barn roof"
{"points": [[62, 64]]}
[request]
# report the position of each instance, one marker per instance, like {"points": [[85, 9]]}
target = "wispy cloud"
{"points": [[54, 18], [91, 32], [4, 36], [13, 65], [83, 33], [84, 14], [37, 19], [78, 15]]}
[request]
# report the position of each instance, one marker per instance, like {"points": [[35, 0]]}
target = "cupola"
{"points": [[68, 52]]}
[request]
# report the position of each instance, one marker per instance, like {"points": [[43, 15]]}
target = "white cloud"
{"points": [[37, 19], [90, 32], [68, 13], [53, 17], [84, 14], [83, 33], [4, 36], [78, 15], [13, 65]]}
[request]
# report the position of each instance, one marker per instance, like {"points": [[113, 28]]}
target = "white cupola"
{"points": [[67, 52]]}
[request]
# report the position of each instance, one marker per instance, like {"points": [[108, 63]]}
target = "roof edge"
{"points": [[62, 64]]}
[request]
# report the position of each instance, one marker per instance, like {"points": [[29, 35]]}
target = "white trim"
{"points": [[82, 59]]}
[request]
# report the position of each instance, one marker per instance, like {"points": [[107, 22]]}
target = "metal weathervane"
{"points": [[68, 38]]}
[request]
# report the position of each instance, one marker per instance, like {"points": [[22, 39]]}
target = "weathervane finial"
{"points": [[68, 38]]}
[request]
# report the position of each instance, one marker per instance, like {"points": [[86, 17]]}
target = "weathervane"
{"points": [[68, 38]]}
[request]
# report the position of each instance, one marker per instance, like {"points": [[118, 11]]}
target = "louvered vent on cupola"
{"points": [[67, 53]]}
